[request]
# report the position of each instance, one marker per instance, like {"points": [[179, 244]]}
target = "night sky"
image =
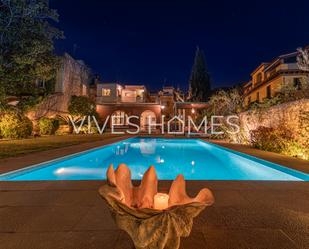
{"points": [[153, 43]]}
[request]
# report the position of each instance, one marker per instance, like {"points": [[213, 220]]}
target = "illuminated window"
{"points": [[119, 118], [106, 92]]}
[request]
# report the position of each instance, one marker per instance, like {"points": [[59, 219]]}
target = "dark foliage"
{"points": [[200, 88]]}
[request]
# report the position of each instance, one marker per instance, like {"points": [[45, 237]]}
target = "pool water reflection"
{"points": [[194, 158]]}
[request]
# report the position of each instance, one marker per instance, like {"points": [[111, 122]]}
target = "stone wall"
{"points": [[73, 78], [53, 105], [284, 114]]}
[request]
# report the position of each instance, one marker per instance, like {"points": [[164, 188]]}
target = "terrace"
{"points": [[71, 214]]}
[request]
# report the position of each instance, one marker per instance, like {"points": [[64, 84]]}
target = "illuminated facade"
{"points": [[120, 101], [269, 78]]}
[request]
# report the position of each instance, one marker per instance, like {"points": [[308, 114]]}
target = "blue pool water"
{"points": [[194, 158]]}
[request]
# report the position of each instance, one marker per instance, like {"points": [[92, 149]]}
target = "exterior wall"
{"points": [[128, 96], [258, 76], [154, 98], [130, 109], [73, 77], [166, 99], [275, 84], [130, 99], [114, 95], [168, 103], [133, 94]]}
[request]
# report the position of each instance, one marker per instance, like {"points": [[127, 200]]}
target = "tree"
{"points": [[26, 45], [303, 59], [81, 106], [199, 83], [226, 102], [303, 64]]}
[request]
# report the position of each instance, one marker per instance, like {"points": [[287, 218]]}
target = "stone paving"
{"points": [[71, 214]]}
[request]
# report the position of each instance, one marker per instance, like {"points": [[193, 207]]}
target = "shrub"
{"points": [[48, 126], [279, 140], [29, 103], [266, 138], [2, 95], [15, 125]]}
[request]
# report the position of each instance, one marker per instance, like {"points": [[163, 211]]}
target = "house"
{"points": [[118, 101], [269, 78]]}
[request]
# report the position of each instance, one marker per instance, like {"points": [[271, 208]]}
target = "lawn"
{"points": [[10, 148]]}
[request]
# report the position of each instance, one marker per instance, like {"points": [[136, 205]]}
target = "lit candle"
{"points": [[161, 201]]}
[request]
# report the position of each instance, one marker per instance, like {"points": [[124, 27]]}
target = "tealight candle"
{"points": [[161, 201]]}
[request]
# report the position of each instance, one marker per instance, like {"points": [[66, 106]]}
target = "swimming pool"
{"points": [[194, 158]]}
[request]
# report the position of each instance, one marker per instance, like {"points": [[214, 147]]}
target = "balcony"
{"points": [[289, 66]]}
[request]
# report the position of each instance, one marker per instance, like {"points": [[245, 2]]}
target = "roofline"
{"points": [[269, 64], [128, 103], [120, 84], [81, 62], [256, 69], [279, 58], [289, 54], [247, 82], [203, 103], [135, 85], [108, 83]]}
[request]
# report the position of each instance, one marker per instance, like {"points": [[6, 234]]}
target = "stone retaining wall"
{"points": [[287, 114]]}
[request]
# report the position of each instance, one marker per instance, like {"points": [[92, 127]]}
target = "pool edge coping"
{"points": [[267, 163], [46, 163]]}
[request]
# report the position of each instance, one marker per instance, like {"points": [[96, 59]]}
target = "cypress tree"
{"points": [[199, 83]]}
